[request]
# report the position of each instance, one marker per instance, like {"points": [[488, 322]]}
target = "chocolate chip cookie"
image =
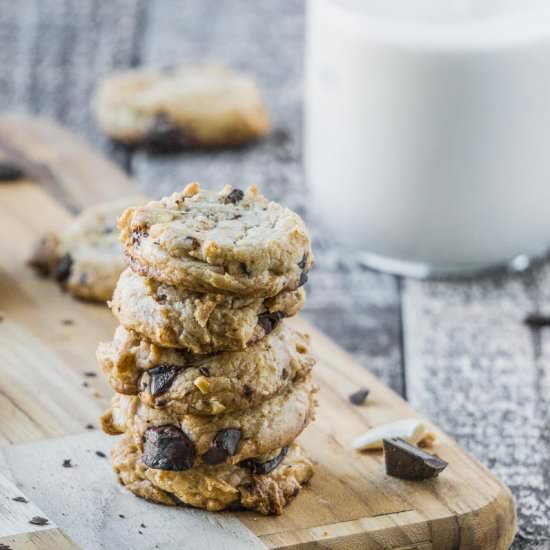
{"points": [[181, 107], [194, 384], [202, 323], [266, 490], [173, 441], [230, 242], [87, 258]]}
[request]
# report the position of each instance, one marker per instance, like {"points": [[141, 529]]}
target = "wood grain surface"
{"points": [[485, 383], [47, 364]]}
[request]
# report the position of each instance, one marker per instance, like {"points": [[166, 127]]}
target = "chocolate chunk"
{"points": [[168, 448], [406, 461], [162, 377], [359, 397], [191, 242], [247, 391], [302, 263], [38, 520], [225, 444], [261, 468], [67, 463], [62, 270], [537, 320], [164, 136], [204, 371], [234, 197], [10, 171], [20, 499], [268, 321], [303, 279], [284, 374]]}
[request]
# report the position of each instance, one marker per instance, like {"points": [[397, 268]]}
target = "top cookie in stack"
{"points": [[212, 388]]}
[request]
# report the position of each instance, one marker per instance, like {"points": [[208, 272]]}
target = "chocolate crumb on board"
{"points": [[406, 461], [359, 397], [9, 171], [537, 320], [89, 427], [101, 454], [39, 520], [67, 463], [90, 374], [143, 526], [20, 499], [67, 322], [5, 547], [121, 516]]}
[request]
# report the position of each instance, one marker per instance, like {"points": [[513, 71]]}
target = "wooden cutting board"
{"points": [[47, 350]]}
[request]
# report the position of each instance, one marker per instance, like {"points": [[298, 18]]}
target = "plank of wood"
{"points": [[94, 511], [350, 501], [473, 366], [356, 306]]}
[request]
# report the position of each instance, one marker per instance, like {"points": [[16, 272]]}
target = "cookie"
{"points": [[174, 441], [87, 258], [231, 242], [205, 385], [181, 107], [218, 487], [202, 323]]}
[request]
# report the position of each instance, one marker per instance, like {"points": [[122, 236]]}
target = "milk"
{"points": [[427, 130]]}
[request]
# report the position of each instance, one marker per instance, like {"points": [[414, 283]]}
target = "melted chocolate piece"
{"points": [[224, 445], [303, 279], [303, 261], [204, 371], [406, 461], [268, 321], [234, 197], [359, 397], [262, 468], [10, 171], [168, 448], [62, 270], [163, 136], [161, 378]]}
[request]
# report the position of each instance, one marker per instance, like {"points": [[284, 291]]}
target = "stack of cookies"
{"points": [[212, 387]]}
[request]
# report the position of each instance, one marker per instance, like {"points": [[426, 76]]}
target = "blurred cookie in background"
{"points": [[86, 257], [186, 106]]}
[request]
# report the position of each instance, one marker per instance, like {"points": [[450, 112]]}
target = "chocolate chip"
{"points": [[167, 448], [191, 242], [537, 320], [359, 397], [302, 263], [62, 270], [20, 499], [138, 235], [38, 520], [161, 298], [261, 468], [164, 136], [245, 269], [234, 197], [224, 444], [303, 279], [406, 461], [284, 374], [162, 377], [10, 171], [101, 454], [247, 391], [268, 321], [67, 463], [204, 371]]}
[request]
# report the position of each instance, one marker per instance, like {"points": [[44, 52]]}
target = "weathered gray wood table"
{"points": [[458, 351]]}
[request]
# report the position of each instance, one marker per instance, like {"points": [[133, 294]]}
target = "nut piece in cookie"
{"points": [[187, 106]]}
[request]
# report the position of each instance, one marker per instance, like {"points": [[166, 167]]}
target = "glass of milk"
{"points": [[427, 130]]}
